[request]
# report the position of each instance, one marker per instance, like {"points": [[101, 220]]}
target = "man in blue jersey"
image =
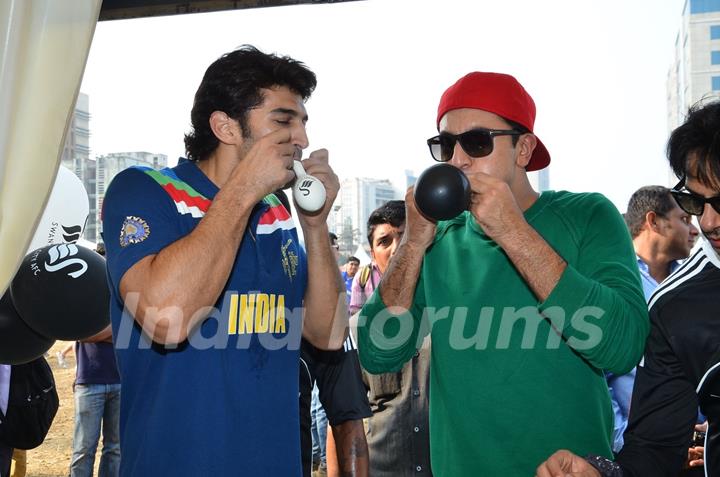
{"points": [[211, 290]]}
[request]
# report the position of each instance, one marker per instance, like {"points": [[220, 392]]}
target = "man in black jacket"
{"points": [[681, 366]]}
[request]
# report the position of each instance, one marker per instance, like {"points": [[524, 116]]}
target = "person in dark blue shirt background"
{"points": [[351, 267]]}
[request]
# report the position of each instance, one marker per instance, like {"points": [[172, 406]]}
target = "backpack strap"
{"points": [[364, 275]]}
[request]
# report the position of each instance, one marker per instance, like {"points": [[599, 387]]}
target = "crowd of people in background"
{"points": [[536, 333]]}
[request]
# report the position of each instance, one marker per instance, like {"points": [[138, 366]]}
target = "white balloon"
{"points": [[308, 191], [65, 214]]}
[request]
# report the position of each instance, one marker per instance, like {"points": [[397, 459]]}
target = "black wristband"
{"points": [[605, 466]]}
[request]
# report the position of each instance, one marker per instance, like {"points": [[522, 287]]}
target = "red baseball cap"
{"points": [[500, 94]]}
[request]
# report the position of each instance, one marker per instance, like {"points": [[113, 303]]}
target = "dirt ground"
{"points": [[52, 458]]}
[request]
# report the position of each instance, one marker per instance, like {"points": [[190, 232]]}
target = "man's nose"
{"points": [[394, 246], [299, 137], [460, 158], [694, 230], [710, 219]]}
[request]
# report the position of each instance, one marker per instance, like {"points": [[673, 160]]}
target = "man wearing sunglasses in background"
{"points": [[681, 366], [527, 297]]}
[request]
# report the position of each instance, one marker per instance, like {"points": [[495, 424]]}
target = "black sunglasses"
{"points": [[475, 142], [692, 203]]}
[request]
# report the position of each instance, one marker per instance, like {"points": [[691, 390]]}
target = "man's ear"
{"points": [[651, 222], [225, 128], [525, 147]]}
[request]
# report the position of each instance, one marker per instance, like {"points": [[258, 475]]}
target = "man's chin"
{"points": [[714, 242]]}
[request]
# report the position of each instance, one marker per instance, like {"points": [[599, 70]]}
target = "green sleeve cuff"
{"points": [[607, 325], [386, 340], [570, 294]]}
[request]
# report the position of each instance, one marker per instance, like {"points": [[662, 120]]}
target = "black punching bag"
{"points": [[61, 292], [442, 192], [19, 344]]}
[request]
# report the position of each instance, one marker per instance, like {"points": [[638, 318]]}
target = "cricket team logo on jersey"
{"points": [[134, 230]]}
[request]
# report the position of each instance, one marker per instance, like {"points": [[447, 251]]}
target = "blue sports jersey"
{"points": [[224, 402]]}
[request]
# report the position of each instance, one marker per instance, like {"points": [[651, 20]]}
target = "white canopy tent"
{"points": [[362, 255]]}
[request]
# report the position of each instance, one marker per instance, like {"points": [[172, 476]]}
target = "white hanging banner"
{"points": [[44, 45]]}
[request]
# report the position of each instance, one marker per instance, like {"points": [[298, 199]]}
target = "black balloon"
{"points": [[61, 292], [442, 192], [19, 344]]}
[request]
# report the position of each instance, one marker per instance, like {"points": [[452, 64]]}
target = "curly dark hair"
{"points": [[694, 147], [391, 212], [233, 84], [647, 199]]}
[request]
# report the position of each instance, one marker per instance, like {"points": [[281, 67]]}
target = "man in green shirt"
{"points": [[528, 297]]}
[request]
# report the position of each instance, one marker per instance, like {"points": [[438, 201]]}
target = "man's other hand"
{"points": [[564, 463], [318, 165], [419, 231]]}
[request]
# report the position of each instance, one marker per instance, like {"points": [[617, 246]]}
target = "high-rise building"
{"points": [[695, 72], [357, 199], [109, 165], [97, 173], [77, 140], [76, 157]]}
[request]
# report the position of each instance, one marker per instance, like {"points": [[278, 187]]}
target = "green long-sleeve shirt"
{"points": [[513, 380]]}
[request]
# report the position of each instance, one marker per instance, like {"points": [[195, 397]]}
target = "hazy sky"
{"points": [[597, 70]]}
